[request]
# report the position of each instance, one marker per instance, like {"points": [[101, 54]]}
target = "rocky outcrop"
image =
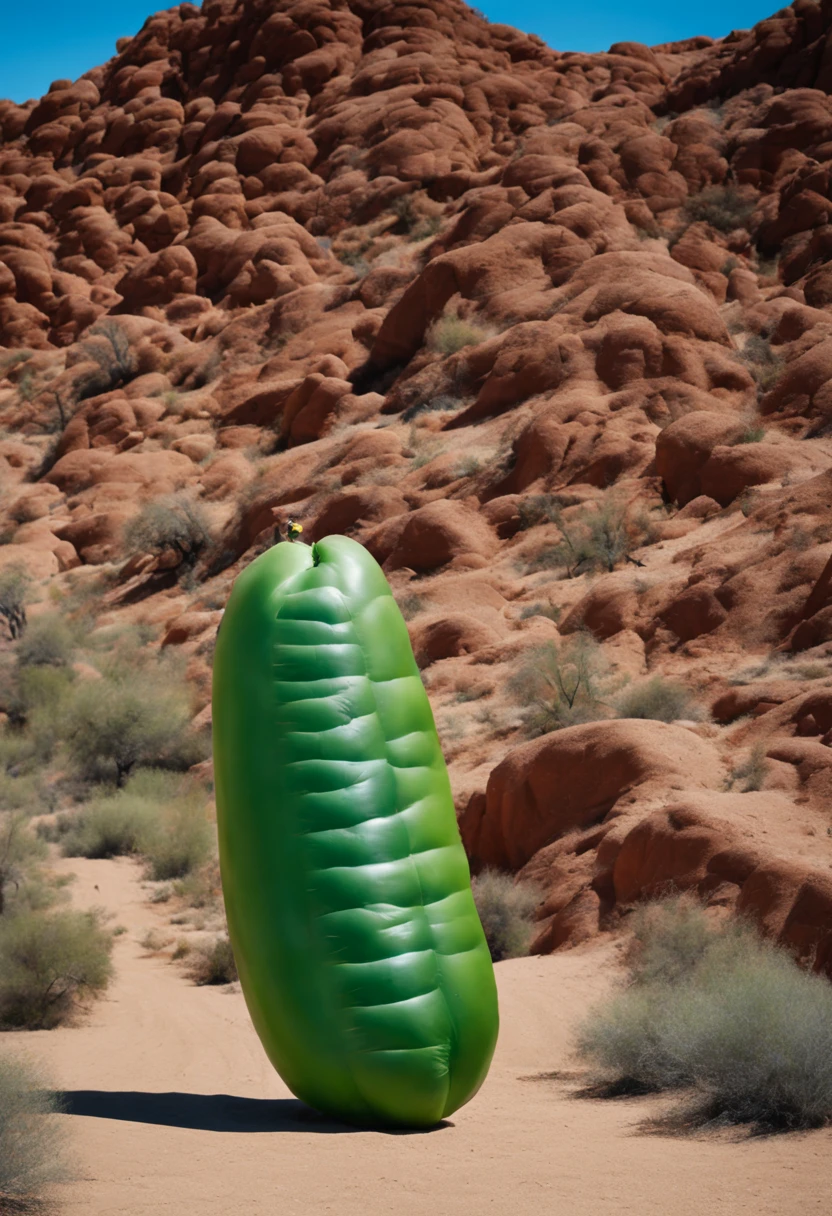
{"points": [[550, 333]]}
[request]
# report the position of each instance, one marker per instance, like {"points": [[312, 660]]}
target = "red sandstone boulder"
{"points": [[573, 778], [433, 536]]}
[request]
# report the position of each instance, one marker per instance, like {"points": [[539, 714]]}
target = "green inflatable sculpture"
{"points": [[359, 948]]}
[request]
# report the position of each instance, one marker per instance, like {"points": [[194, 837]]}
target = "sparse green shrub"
{"points": [[112, 826], [154, 941], [26, 386], [48, 642], [49, 962], [765, 365], [174, 523], [20, 848], [718, 1010], [468, 466], [599, 536], [179, 841], [13, 358], [426, 228], [154, 816], [31, 1144], [553, 611], [107, 344], [450, 333], [723, 207], [213, 963], [506, 908], [14, 590], [559, 685], [201, 888], [750, 773], [127, 718], [753, 433], [411, 605], [658, 698], [430, 405]]}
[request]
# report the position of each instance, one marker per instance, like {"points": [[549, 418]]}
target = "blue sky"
{"points": [[54, 39]]}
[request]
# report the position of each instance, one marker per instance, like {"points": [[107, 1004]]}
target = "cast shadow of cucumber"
{"points": [[213, 1112]]}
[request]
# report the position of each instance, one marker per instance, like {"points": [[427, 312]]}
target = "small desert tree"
{"points": [[19, 848], [108, 345], [127, 718], [14, 588], [175, 523], [560, 684]]}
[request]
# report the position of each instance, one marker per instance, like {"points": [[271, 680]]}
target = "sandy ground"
{"points": [[174, 1108]]}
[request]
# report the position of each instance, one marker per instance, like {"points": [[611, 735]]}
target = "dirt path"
{"points": [[175, 1109]]}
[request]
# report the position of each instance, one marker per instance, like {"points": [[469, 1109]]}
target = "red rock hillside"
{"points": [[550, 333]]}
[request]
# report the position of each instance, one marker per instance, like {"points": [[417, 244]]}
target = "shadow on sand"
{"points": [[210, 1112]]}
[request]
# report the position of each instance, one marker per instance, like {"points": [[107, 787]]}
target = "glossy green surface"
{"points": [[360, 953]]}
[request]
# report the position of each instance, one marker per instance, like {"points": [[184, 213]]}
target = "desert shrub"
{"points": [[559, 684], [750, 773], [723, 207], [766, 366], [49, 962], [108, 345], [752, 433], [179, 840], [450, 333], [20, 849], [411, 605], [201, 888], [553, 611], [31, 1144], [154, 815], [48, 642], [174, 523], [112, 826], [657, 698], [127, 718], [597, 537], [213, 962], [506, 910], [14, 589], [723, 1013]]}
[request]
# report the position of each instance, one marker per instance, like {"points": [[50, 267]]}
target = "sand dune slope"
{"points": [[174, 1109]]}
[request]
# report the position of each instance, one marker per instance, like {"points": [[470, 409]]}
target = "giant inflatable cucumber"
{"points": [[360, 953]]}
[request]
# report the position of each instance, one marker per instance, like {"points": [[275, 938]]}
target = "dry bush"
{"points": [[722, 1013], [20, 850], [31, 1143], [174, 523], [596, 537], [14, 591], [450, 333], [48, 642], [213, 962], [723, 207], [506, 910], [658, 698], [180, 841], [106, 826], [766, 366], [153, 816], [49, 962], [750, 773], [560, 684]]}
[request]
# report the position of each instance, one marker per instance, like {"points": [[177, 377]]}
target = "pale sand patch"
{"points": [[520, 1147]]}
